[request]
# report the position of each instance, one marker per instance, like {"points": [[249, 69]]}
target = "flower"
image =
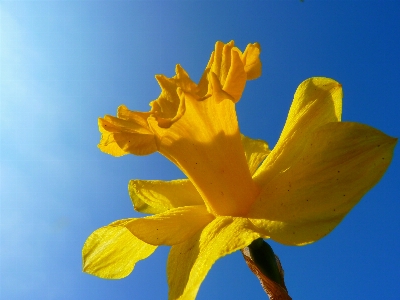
{"points": [[237, 189]]}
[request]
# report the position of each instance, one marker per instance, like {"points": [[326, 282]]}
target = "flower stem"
{"points": [[263, 262]]}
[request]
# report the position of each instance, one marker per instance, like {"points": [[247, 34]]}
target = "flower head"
{"points": [[237, 189]]}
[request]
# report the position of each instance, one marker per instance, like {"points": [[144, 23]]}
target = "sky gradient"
{"points": [[66, 63]]}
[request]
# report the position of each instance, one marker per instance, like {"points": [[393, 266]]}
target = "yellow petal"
{"points": [[217, 91], [317, 101], [221, 60], [232, 68], [340, 162], [138, 120], [156, 196], [251, 61], [236, 77], [256, 151], [168, 107], [189, 262], [129, 133], [107, 142], [112, 251], [168, 102], [171, 227]]}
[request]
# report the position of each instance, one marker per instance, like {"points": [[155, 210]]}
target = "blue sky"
{"points": [[66, 63]]}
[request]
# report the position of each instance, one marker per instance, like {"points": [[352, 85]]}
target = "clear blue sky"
{"points": [[64, 64]]}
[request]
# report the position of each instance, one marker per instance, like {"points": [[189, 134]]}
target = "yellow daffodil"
{"points": [[237, 189]]}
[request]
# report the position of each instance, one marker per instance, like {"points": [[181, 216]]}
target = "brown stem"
{"points": [[274, 290]]}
